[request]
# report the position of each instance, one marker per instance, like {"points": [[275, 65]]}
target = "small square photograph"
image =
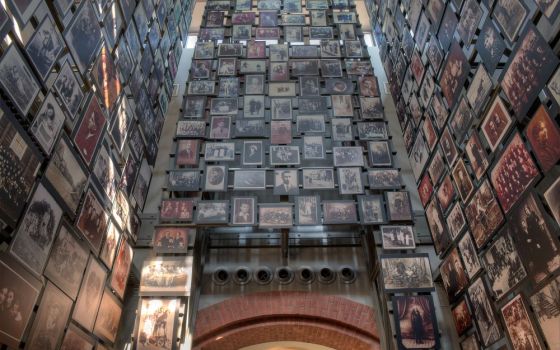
{"points": [[218, 151], [284, 155], [278, 52], [350, 180], [244, 211], [224, 105], [398, 237], [318, 178], [252, 153], [212, 212], [293, 34], [220, 128], [215, 178], [340, 212], [268, 19], [309, 86], [201, 69], [227, 66], [348, 156], [253, 106], [342, 106], [330, 48], [279, 71], [184, 180], [256, 49], [310, 124], [379, 153], [331, 68], [313, 147], [346, 32], [280, 132], [249, 179], [286, 182], [384, 178], [194, 106], [254, 84], [372, 108], [307, 210], [353, 48], [281, 108], [187, 152], [275, 215], [398, 206], [342, 129], [241, 32], [228, 87], [204, 50]]}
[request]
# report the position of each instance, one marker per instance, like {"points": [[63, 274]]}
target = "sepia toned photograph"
{"points": [[454, 278], [488, 326], [286, 182], [350, 180], [93, 220], [469, 255], [547, 316], [318, 178], [184, 180], [212, 212], [275, 215], [83, 36], [419, 157], [88, 133], [510, 15], [454, 75], [75, 338], [496, 123], [194, 106], [166, 276], [90, 294], [250, 128], [379, 153], [108, 317], [284, 155], [398, 206], [308, 210], [105, 174], [121, 269], [462, 180], [477, 156], [403, 273], [224, 105], [157, 323], [371, 130], [348, 156], [372, 209], [252, 153], [310, 124], [176, 209], [244, 211], [384, 178], [112, 238], [416, 323], [552, 197], [521, 331], [490, 46], [249, 179], [339, 212], [462, 317], [281, 108], [456, 220], [425, 190], [438, 229], [544, 137], [483, 214], [187, 152], [171, 239], [470, 18], [397, 237]]}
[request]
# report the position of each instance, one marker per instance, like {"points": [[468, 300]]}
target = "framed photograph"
{"points": [[552, 198], [304, 51], [398, 206], [105, 174], [220, 128], [453, 274], [544, 137], [226, 66], [249, 128], [318, 18], [520, 94], [340, 212], [43, 56], [112, 237], [318, 178], [90, 294], [286, 182], [312, 105], [519, 326], [229, 50], [461, 120], [267, 33], [108, 317], [215, 178], [477, 156], [279, 52], [348, 156], [20, 291], [75, 337], [268, 18], [309, 86], [92, 221], [204, 50], [106, 78], [88, 133], [194, 107], [462, 180], [321, 33], [121, 269], [469, 255], [350, 180], [254, 84], [368, 86], [452, 82], [244, 211], [448, 147], [490, 46], [284, 155], [305, 67], [275, 215], [281, 89], [418, 157], [242, 18], [406, 273], [213, 34], [293, 34], [510, 16], [456, 220], [249, 179], [256, 49], [214, 19], [313, 147], [253, 106], [438, 229], [84, 25], [176, 210], [330, 48], [547, 319], [372, 130], [416, 322], [68, 89], [201, 69], [241, 32], [384, 178], [187, 152], [379, 153], [281, 108], [372, 210], [201, 87], [165, 311], [219, 151], [140, 190], [308, 124], [397, 237], [462, 317], [342, 106], [515, 156], [496, 123], [212, 212], [221, 106], [191, 128], [279, 71], [171, 239], [425, 190], [280, 132], [308, 210], [252, 153], [483, 214]]}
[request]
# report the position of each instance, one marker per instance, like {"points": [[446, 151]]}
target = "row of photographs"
{"points": [[308, 211], [278, 5], [507, 261]]}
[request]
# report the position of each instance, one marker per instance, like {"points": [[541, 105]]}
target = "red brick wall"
{"points": [[286, 316]]}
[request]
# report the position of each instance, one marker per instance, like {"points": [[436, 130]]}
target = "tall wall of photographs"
{"points": [[477, 90], [84, 90]]}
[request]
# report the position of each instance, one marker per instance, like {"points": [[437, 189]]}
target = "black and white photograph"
{"points": [[379, 153], [253, 106], [371, 130], [348, 156], [254, 84], [313, 147], [310, 124], [404, 273], [275, 215], [318, 178], [510, 15], [419, 157], [286, 182], [469, 20], [281, 108], [17, 80], [194, 106], [438, 229], [281, 89], [249, 179], [215, 178], [166, 276], [83, 36], [397, 237], [220, 128], [341, 129], [105, 173], [219, 151], [312, 105], [92, 221], [339, 212], [372, 209], [227, 66], [462, 119], [212, 212], [204, 50], [462, 180], [544, 302], [350, 180], [191, 128], [398, 206], [69, 89], [469, 255], [309, 86], [384, 178], [305, 51], [342, 106], [284, 155], [243, 211], [252, 153], [230, 50], [477, 155], [184, 180], [339, 86], [415, 321], [90, 294], [456, 221], [479, 90], [483, 214], [453, 275], [201, 87], [278, 52], [44, 47], [250, 128], [308, 210]]}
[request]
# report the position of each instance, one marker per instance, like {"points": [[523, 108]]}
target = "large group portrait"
{"points": [[410, 272], [483, 214], [340, 212], [275, 215], [166, 276]]}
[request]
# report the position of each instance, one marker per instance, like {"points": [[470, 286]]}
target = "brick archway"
{"points": [[265, 317]]}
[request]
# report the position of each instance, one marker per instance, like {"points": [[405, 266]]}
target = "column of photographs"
{"points": [[74, 164], [477, 90], [282, 122]]}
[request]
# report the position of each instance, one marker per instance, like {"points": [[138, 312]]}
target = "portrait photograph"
{"points": [[249, 179], [166, 276], [278, 72], [226, 66], [88, 133], [425, 190], [454, 278], [44, 47], [83, 36], [513, 172], [438, 228], [462, 317], [244, 211], [284, 155], [121, 269], [253, 106], [372, 209], [462, 119], [338, 86], [252, 153], [384, 178], [398, 206], [490, 46], [544, 137], [469, 20], [350, 180], [215, 178], [176, 210], [308, 210], [353, 48], [187, 152], [496, 123], [90, 294], [339, 212], [469, 255], [112, 238], [403, 273], [92, 221], [397, 237], [254, 84], [416, 323], [313, 147], [212, 212], [522, 333], [456, 220], [160, 312], [545, 315], [462, 180], [348, 156], [220, 128], [476, 155], [201, 69], [286, 182], [194, 106], [105, 174], [275, 215], [528, 70], [17, 80], [419, 157], [483, 214], [281, 108], [448, 147], [379, 153], [309, 86], [318, 178], [108, 317], [342, 105], [250, 128], [454, 75], [483, 312], [19, 292], [171, 239], [227, 106], [241, 32], [430, 133]]}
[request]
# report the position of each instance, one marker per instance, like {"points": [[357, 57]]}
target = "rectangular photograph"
{"points": [[318, 178], [340, 212], [372, 209], [212, 212], [397, 237], [171, 239], [244, 211], [275, 215], [416, 322], [308, 210], [406, 273], [166, 276], [157, 323]]}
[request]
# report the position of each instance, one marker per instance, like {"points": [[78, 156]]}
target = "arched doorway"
{"points": [[313, 318]]}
